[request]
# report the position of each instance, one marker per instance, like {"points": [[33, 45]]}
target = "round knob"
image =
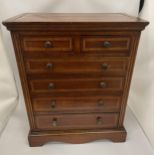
{"points": [[53, 104], [102, 84], [49, 65], [104, 66], [101, 103], [47, 44], [51, 85], [99, 121], [54, 122], [106, 44]]}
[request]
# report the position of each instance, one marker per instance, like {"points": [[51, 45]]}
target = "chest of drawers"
{"points": [[75, 72]]}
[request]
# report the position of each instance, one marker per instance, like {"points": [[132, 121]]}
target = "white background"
{"points": [[141, 93]]}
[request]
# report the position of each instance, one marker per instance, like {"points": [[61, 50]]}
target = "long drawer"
{"points": [[77, 104], [49, 85], [76, 121], [79, 66]]}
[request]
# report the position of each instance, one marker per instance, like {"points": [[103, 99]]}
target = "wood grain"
{"points": [[76, 104], [76, 121]]}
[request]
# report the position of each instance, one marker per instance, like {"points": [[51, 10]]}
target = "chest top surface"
{"points": [[117, 20], [74, 17]]}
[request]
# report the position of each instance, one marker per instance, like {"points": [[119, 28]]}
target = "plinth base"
{"points": [[76, 136]]}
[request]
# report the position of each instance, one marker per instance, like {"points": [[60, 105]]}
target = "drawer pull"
{"points": [[54, 122], [103, 84], [104, 66], [99, 121], [47, 44], [106, 44], [101, 103], [51, 86], [53, 104], [49, 65]]}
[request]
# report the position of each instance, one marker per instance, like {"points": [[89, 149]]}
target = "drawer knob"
{"points": [[53, 104], [49, 65], [54, 122], [106, 44], [103, 84], [47, 44], [99, 121], [104, 66], [101, 103], [51, 86]]}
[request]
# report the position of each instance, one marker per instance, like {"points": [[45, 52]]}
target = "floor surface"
{"points": [[13, 140]]}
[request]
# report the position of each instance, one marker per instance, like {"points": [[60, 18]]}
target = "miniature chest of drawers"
{"points": [[75, 72]]}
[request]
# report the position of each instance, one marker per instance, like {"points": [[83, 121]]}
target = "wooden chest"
{"points": [[75, 71]]}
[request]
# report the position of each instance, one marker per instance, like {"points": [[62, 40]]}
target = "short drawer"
{"points": [[106, 44], [76, 84], [77, 104], [69, 66], [47, 43], [76, 121]]}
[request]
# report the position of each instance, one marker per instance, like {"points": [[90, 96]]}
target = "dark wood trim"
{"points": [[76, 27]]}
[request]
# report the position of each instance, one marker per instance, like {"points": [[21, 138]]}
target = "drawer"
{"points": [[69, 66], [106, 44], [62, 85], [76, 121], [47, 43], [80, 104]]}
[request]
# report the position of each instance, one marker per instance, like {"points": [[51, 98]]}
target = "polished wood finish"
{"points": [[39, 86], [75, 65], [75, 72], [76, 121], [76, 136], [35, 44], [75, 22], [77, 104], [105, 44]]}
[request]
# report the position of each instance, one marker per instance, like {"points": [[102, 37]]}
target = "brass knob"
{"points": [[101, 103], [47, 44], [49, 65], [99, 120], [54, 122], [103, 85], [51, 85], [53, 104], [104, 66], [106, 44]]}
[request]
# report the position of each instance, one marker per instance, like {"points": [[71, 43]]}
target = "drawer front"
{"points": [[91, 104], [105, 44], [76, 121], [47, 43], [76, 84], [69, 66]]}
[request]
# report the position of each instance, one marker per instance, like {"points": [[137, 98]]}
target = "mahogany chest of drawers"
{"points": [[75, 71]]}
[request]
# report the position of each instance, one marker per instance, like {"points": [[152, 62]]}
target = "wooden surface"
{"points": [[77, 78], [76, 121], [77, 104], [74, 21], [74, 17]]}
